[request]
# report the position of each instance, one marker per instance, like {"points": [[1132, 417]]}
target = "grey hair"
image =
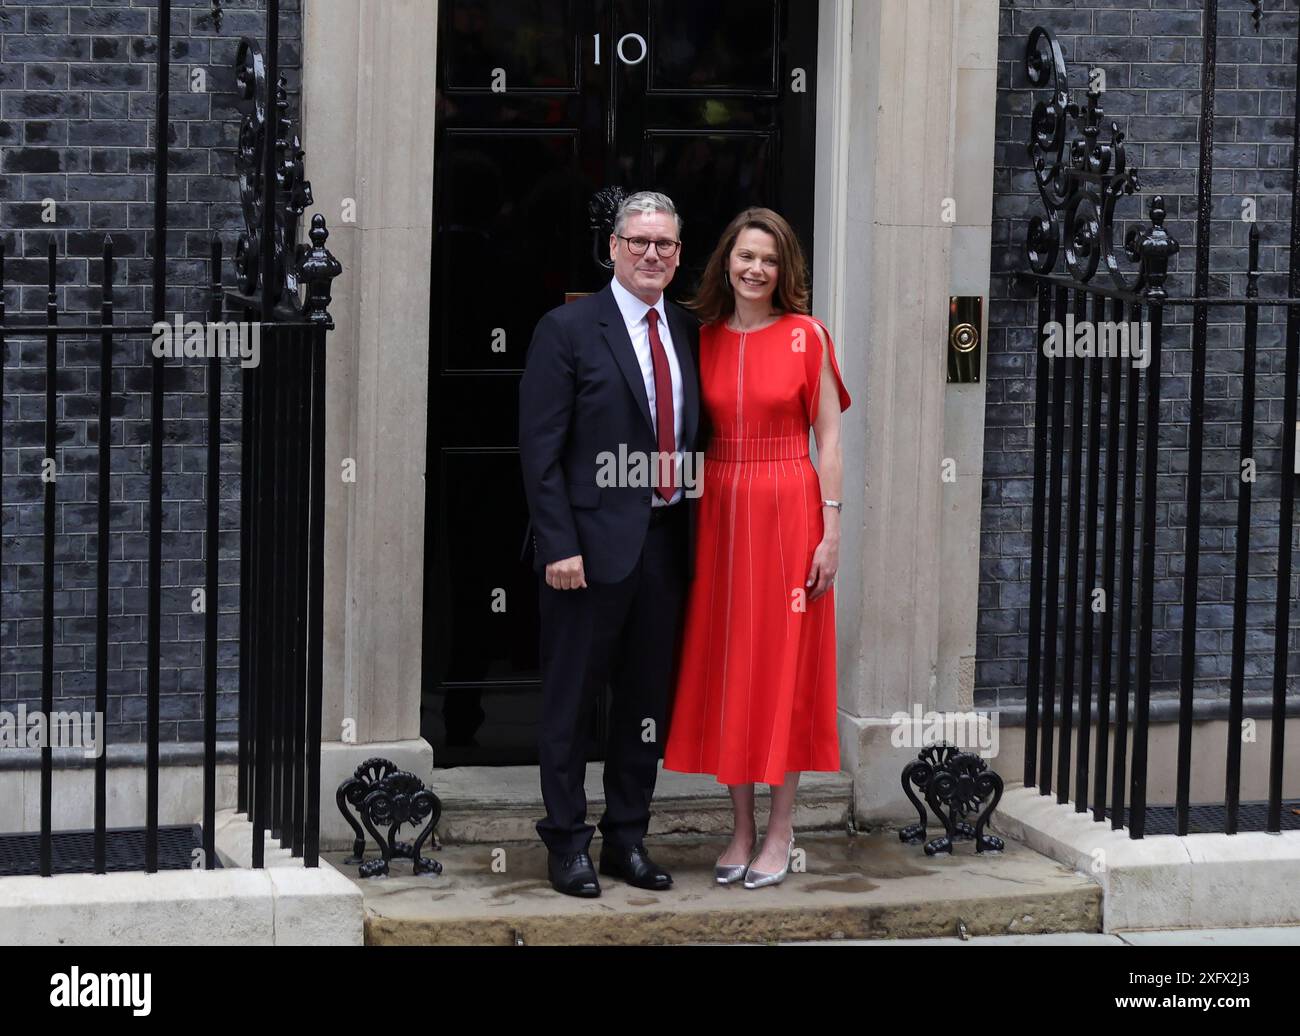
{"points": [[645, 202]]}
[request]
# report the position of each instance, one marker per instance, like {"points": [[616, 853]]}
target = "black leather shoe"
{"points": [[634, 866], [572, 874]]}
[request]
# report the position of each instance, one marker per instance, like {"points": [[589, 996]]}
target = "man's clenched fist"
{"points": [[566, 574]]}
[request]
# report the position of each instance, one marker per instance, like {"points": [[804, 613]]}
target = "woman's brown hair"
{"points": [[714, 301]]}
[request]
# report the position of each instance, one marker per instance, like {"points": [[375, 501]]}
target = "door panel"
{"points": [[692, 99], [727, 47], [514, 204], [532, 40]]}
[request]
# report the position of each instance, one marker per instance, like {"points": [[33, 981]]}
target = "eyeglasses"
{"points": [[637, 246]]}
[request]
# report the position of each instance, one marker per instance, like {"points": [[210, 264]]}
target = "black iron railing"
{"points": [[282, 503], [281, 570], [283, 506], [1082, 182]]}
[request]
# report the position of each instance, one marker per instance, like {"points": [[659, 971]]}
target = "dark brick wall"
{"points": [[77, 110], [1151, 52]]}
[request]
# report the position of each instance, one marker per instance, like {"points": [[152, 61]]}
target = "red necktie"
{"points": [[663, 410]]}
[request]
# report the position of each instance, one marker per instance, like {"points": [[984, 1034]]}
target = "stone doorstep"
{"points": [[867, 886], [501, 804], [1163, 881]]}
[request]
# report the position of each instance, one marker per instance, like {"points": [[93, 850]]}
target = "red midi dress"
{"points": [[755, 696]]}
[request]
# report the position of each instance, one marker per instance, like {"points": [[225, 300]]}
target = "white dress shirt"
{"points": [[638, 328]]}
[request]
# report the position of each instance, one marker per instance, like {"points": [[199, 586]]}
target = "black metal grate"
{"points": [[74, 851], [1211, 818]]}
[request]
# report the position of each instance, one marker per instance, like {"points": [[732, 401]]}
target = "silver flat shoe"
{"points": [[757, 879], [729, 874]]}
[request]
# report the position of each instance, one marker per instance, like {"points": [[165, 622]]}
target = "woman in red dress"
{"points": [[755, 697]]}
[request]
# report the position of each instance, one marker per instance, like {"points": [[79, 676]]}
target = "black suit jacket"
{"points": [[582, 395]]}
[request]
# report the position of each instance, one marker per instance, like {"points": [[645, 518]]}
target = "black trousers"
{"points": [[624, 634]]}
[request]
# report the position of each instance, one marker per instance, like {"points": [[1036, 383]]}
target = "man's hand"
{"points": [[566, 574]]}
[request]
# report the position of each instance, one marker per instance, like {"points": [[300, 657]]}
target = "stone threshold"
{"points": [[502, 804], [868, 886]]}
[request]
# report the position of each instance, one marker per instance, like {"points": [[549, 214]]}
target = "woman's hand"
{"points": [[825, 563]]}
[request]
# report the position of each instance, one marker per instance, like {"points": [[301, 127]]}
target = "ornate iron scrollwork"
{"points": [[955, 793], [293, 195], [918, 772], [955, 785], [1081, 182], [601, 211], [383, 795]]}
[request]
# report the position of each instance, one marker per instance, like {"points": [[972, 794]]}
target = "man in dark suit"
{"points": [[610, 380]]}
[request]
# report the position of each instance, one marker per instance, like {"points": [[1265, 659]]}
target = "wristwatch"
{"points": [[833, 503]]}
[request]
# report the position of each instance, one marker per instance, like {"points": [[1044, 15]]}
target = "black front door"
{"points": [[539, 104]]}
